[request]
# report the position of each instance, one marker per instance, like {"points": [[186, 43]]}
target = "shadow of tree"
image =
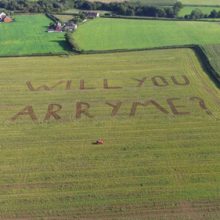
{"points": [[63, 44]]}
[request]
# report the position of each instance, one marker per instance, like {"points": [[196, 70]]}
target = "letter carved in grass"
{"points": [[115, 107], [176, 108], [202, 104], [82, 108], [26, 111], [52, 112], [145, 104]]}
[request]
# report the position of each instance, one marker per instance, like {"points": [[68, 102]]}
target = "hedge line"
{"points": [[71, 42], [35, 55], [155, 18], [53, 18], [207, 66]]}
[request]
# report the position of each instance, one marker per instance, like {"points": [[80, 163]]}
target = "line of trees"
{"points": [[198, 14], [130, 8], [34, 6]]}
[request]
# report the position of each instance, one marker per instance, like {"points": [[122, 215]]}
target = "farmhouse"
{"points": [[4, 18], [58, 27], [69, 26], [91, 14], [55, 27]]}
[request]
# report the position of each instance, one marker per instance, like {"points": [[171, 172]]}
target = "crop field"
{"points": [[201, 2], [110, 34], [158, 113], [186, 10], [213, 53], [27, 35]]}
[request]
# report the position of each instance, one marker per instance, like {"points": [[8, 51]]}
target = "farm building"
{"points": [[91, 14], [58, 27], [69, 26], [4, 18]]}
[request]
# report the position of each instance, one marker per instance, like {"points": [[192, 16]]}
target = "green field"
{"points": [[158, 162], [64, 18], [148, 2], [110, 34], [201, 2], [213, 54], [27, 35], [186, 10], [156, 2]]}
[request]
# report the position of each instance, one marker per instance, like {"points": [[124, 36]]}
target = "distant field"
{"points": [[213, 53], [201, 2], [64, 18], [27, 35], [158, 113], [188, 9], [110, 34], [149, 2]]}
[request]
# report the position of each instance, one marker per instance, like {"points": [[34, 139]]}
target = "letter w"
{"points": [[43, 87]]}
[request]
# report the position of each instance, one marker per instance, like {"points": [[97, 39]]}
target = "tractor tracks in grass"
{"points": [[206, 87], [172, 211]]}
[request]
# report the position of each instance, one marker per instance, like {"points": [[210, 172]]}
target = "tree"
{"points": [[196, 14]]}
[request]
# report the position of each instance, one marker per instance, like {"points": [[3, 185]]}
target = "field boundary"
{"points": [[207, 66], [37, 55], [156, 18]]}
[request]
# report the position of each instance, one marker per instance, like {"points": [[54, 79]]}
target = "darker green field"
{"points": [[213, 54], [186, 10], [201, 2], [110, 34], [158, 113], [27, 35]]}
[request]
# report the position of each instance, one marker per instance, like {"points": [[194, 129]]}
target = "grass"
{"points": [[213, 53], [188, 9], [147, 2], [64, 18], [110, 34], [152, 165], [201, 2], [27, 35]]}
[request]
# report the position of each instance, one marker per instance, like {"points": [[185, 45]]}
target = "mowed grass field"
{"points": [[110, 34], [158, 162], [27, 35]]}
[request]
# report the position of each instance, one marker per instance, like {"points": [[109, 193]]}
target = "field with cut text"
{"points": [[158, 113], [110, 34], [27, 35]]}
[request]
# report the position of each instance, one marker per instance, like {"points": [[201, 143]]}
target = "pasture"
{"points": [[27, 35], [110, 34], [64, 18], [186, 10], [213, 54], [158, 113], [147, 2], [200, 2]]}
